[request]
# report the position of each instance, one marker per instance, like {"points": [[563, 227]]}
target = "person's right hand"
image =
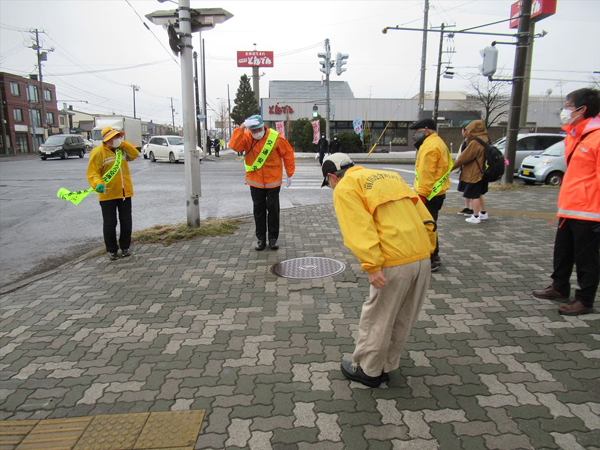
{"points": [[377, 279], [100, 188]]}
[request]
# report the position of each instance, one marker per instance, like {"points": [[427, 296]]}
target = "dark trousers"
{"points": [[433, 206], [577, 243], [109, 216], [266, 212]]}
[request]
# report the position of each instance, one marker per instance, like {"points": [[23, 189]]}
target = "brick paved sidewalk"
{"points": [[205, 325]]}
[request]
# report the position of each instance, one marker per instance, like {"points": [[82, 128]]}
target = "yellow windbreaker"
{"points": [[382, 220], [102, 159], [431, 165]]}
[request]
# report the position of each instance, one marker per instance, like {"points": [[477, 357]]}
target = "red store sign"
{"points": [[540, 9], [276, 109], [255, 59]]}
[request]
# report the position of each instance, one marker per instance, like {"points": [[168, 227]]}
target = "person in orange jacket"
{"points": [[264, 151], [578, 236]]}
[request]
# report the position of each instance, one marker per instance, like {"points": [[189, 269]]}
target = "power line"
{"points": [[135, 66]]}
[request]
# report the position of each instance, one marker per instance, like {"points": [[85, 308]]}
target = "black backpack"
{"points": [[493, 162]]}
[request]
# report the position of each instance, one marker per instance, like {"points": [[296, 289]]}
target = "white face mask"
{"points": [[566, 116], [258, 135], [116, 142]]}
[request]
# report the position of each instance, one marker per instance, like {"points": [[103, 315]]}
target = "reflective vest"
{"points": [[439, 184], [264, 153]]}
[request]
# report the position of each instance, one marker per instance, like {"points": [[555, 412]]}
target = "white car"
{"points": [[529, 144], [166, 148]]}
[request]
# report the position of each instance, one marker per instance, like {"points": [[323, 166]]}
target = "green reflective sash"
{"points": [[264, 153], [76, 196], [437, 186]]}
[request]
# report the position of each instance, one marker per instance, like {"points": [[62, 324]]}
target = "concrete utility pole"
{"points": [[256, 82], [41, 57], [436, 103], [205, 109], [228, 112], [197, 92], [327, 105], [423, 61], [172, 113], [517, 92], [525, 98], [135, 89]]}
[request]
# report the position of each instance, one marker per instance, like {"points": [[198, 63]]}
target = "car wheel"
{"points": [[43, 158], [529, 182], [554, 179], [145, 156], [64, 155], [172, 158], [81, 153], [152, 158]]}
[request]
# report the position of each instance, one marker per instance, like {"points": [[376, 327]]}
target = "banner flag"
{"points": [[316, 131], [280, 129]]}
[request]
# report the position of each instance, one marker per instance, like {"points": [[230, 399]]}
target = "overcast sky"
{"points": [[101, 48]]}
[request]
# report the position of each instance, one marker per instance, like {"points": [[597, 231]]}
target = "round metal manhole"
{"points": [[307, 268]]}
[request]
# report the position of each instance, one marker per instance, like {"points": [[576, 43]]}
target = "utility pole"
{"points": [[43, 56], [423, 61], [525, 98], [31, 121], [172, 113], [135, 89], [197, 91], [229, 112], [326, 64], [256, 82], [205, 134], [517, 92], [436, 102]]}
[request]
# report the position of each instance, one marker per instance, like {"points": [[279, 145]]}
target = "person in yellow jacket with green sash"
{"points": [[108, 173], [432, 169], [264, 150], [391, 233]]}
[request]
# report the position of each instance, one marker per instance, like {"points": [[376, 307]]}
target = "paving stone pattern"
{"points": [[205, 325]]}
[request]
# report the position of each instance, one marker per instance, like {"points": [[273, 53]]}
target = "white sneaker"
{"points": [[484, 216], [473, 219]]}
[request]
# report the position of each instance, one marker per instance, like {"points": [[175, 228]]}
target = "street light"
{"points": [[186, 21]]}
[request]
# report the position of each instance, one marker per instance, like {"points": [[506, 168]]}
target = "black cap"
{"points": [[423, 123]]}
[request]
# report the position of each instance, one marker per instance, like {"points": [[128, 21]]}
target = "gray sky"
{"points": [[102, 47]]}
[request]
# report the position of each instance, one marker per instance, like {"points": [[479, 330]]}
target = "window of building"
{"points": [[49, 118], [48, 95], [36, 118], [21, 142], [18, 115], [32, 94], [61, 119], [14, 89]]}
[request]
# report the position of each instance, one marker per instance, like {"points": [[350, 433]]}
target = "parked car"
{"points": [[549, 167], [529, 144], [88, 144], [143, 151], [166, 147], [62, 146]]}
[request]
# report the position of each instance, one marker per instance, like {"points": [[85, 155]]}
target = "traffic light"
{"points": [[340, 60], [325, 63], [315, 113], [490, 61]]}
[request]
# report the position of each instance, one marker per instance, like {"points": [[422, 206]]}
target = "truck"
{"points": [[131, 127]]}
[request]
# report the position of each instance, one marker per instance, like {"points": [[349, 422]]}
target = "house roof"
{"points": [[309, 89]]}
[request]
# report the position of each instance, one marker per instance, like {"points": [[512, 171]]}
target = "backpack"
{"points": [[493, 162]]}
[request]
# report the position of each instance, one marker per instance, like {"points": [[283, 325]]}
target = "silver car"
{"points": [[529, 144], [166, 147], [549, 167]]}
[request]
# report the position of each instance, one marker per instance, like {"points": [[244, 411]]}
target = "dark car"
{"points": [[62, 146]]}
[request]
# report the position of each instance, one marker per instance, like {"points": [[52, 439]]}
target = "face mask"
{"points": [[566, 116], [116, 142], [258, 135], [418, 136]]}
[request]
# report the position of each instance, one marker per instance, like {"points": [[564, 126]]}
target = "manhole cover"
{"points": [[306, 268]]}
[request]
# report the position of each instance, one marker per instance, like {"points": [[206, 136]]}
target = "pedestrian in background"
{"points": [[577, 240], [392, 234], [323, 147], [209, 144], [264, 150], [467, 210], [335, 146], [217, 145], [432, 169], [115, 196], [472, 161]]}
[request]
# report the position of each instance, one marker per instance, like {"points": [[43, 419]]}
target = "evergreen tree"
{"points": [[245, 102]]}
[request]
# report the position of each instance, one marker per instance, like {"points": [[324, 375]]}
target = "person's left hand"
{"points": [[377, 280], [288, 182]]}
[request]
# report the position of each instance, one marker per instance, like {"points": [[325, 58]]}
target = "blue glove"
{"points": [[100, 188]]}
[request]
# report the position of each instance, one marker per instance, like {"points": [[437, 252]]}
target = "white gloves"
{"points": [[288, 182], [251, 122]]}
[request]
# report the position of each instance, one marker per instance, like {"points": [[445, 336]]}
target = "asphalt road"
{"points": [[39, 232]]}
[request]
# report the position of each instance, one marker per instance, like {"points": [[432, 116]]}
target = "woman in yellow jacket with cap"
{"points": [[110, 160]]}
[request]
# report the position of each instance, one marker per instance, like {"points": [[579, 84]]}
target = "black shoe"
{"points": [[466, 212], [260, 245], [113, 256], [436, 259], [435, 266], [355, 373], [125, 253], [385, 377], [273, 244]]}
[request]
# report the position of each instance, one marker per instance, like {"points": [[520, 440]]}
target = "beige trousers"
{"points": [[389, 315]]}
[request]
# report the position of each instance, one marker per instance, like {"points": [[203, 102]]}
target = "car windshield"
{"points": [[97, 135], [557, 149], [55, 140], [175, 140]]}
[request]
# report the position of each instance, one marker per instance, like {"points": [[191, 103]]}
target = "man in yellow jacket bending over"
{"points": [[392, 234], [108, 174]]}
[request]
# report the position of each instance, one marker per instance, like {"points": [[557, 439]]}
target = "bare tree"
{"points": [[595, 81], [492, 98], [222, 118]]}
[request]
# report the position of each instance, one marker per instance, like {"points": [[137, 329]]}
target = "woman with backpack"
{"points": [[471, 160]]}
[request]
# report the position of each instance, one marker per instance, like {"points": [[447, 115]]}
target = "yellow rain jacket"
{"points": [[102, 159], [382, 219], [431, 165]]}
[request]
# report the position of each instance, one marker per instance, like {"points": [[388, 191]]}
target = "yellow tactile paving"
{"points": [[175, 430], [55, 434], [171, 429]]}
